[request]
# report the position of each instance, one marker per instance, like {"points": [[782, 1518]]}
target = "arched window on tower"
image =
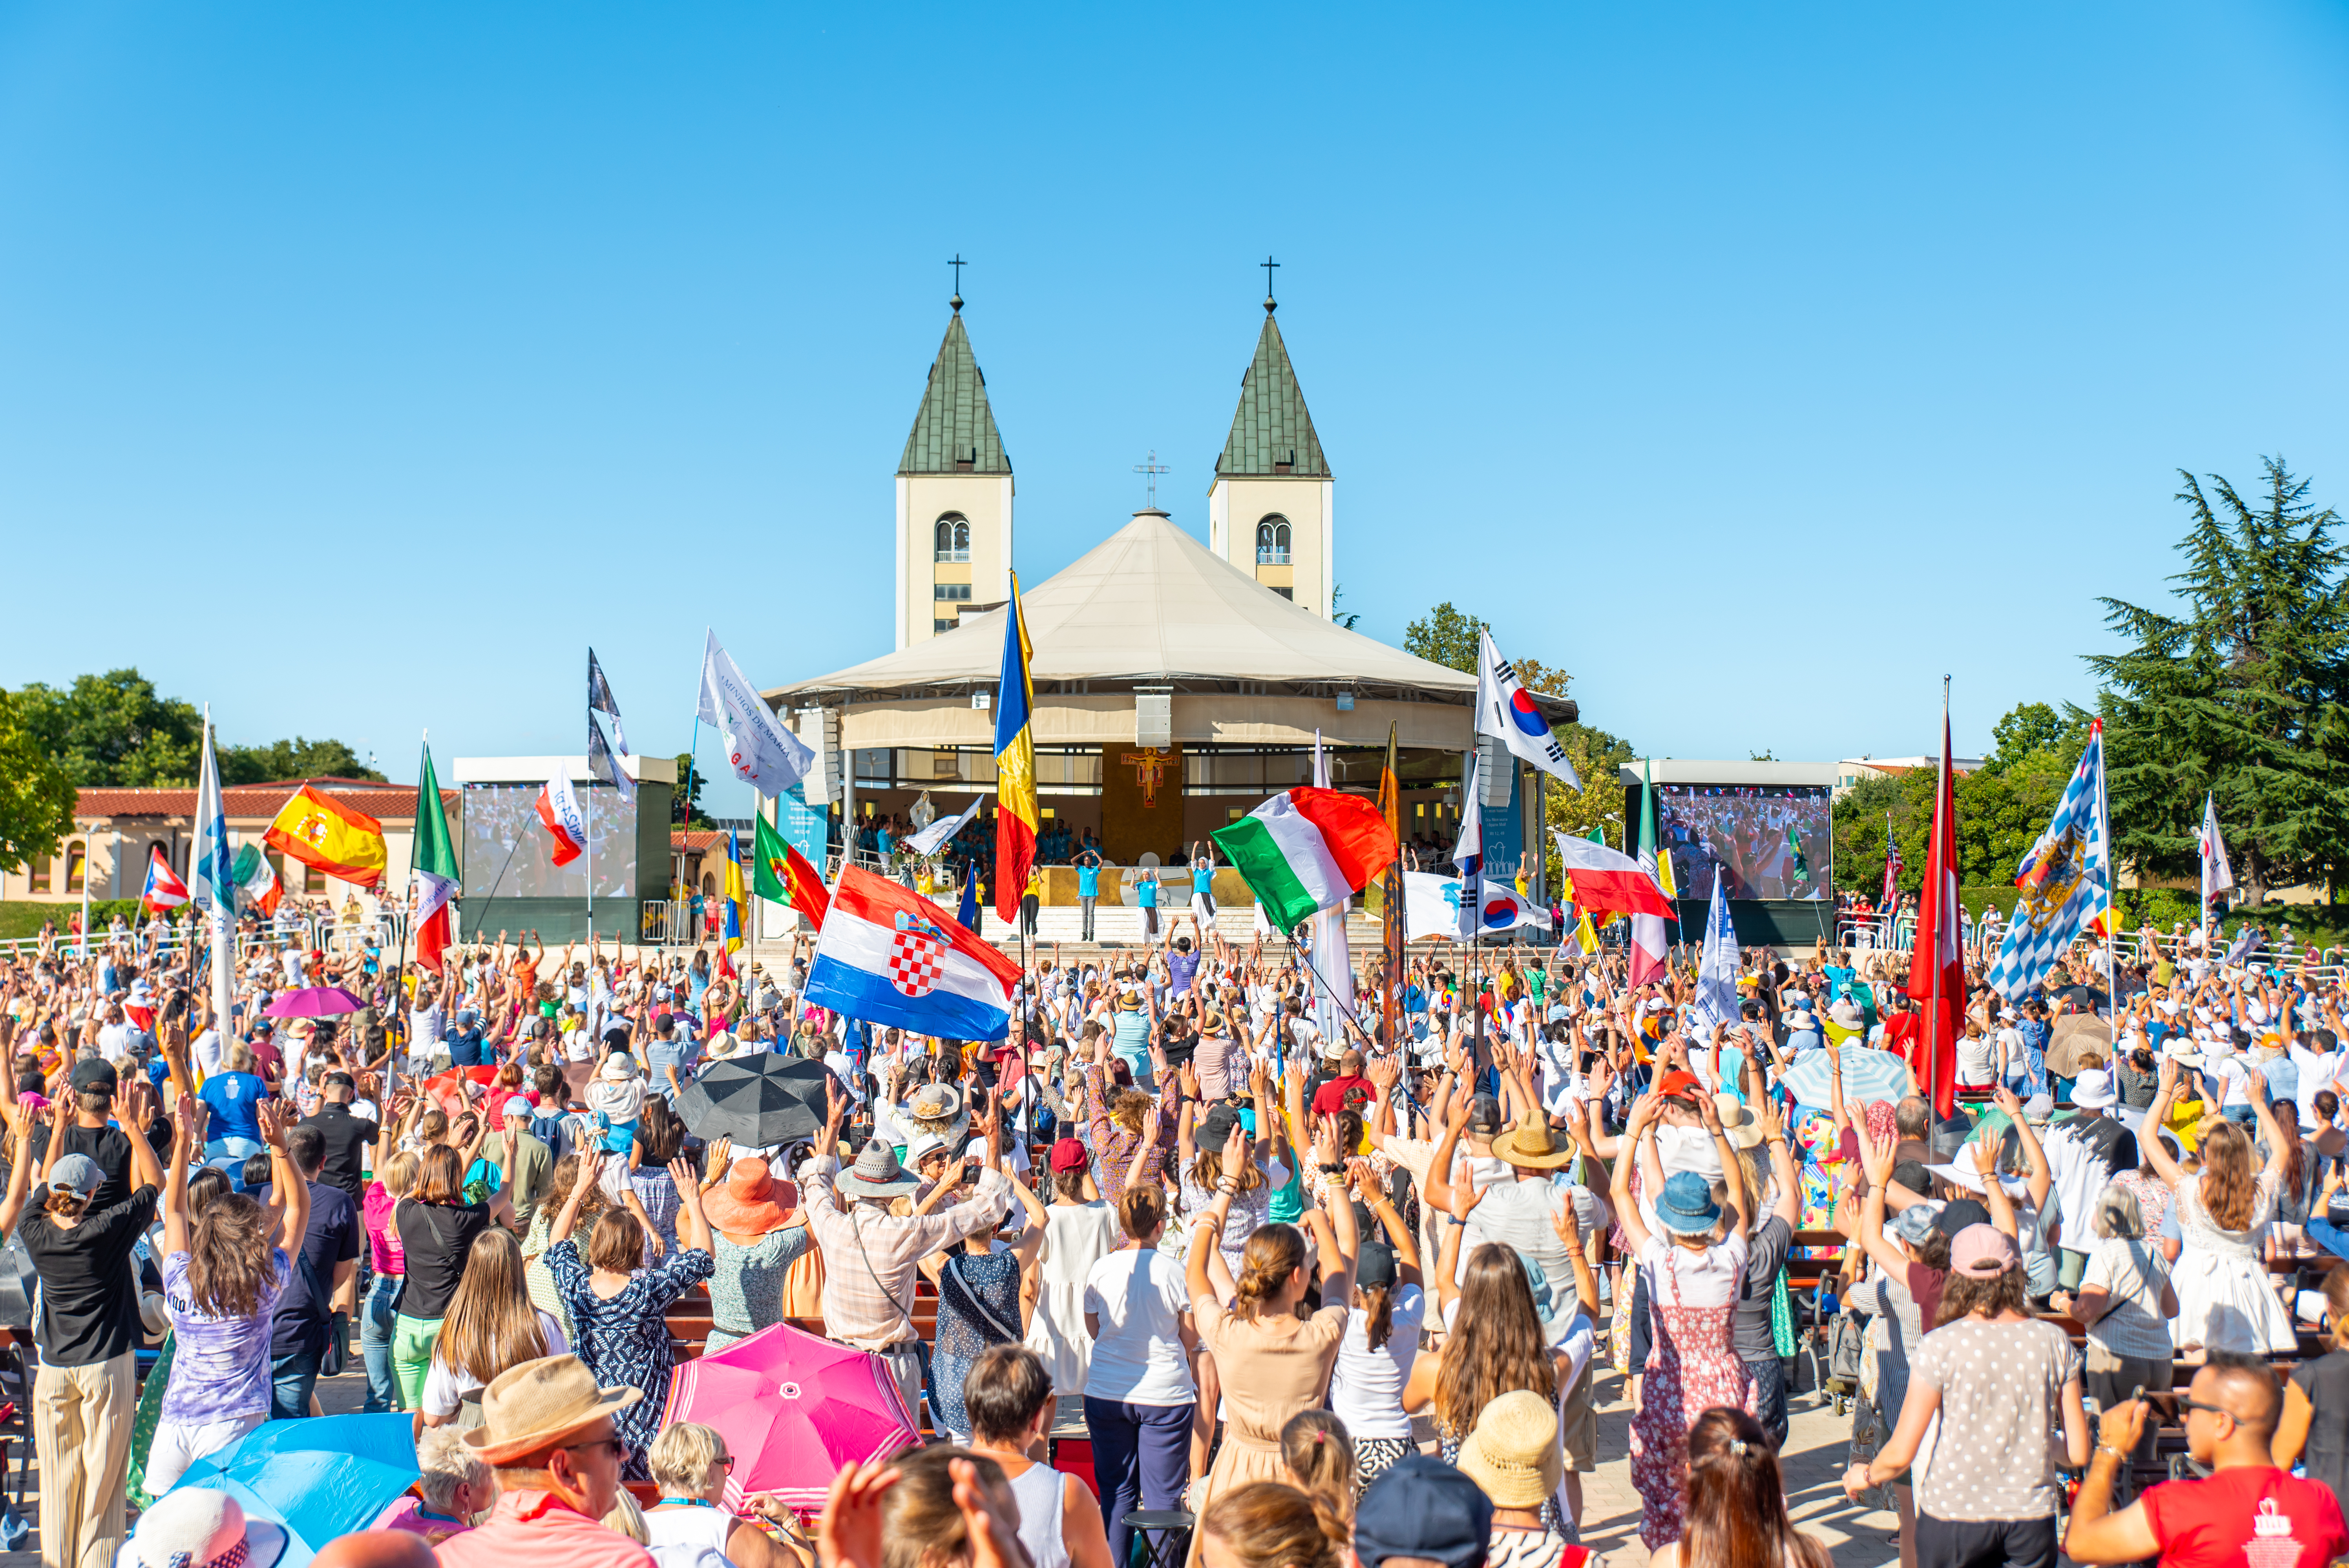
{"points": [[953, 538], [1272, 541]]}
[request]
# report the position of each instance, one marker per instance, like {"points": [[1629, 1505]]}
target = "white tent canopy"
{"points": [[1147, 604]]}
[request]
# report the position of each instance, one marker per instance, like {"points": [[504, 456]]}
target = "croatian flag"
{"points": [[888, 955], [558, 807], [164, 889]]}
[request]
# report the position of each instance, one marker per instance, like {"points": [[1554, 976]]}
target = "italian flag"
{"points": [[1308, 849], [433, 869]]}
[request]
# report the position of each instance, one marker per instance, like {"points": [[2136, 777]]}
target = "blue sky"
{"points": [[359, 366]]}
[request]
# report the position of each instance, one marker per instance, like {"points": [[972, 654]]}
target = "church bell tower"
{"points": [[954, 499], [1271, 511]]}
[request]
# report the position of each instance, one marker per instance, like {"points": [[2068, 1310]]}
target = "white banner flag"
{"points": [[2218, 876], [762, 753], [1508, 713], [935, 837]]}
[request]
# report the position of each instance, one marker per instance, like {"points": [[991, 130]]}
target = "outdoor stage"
{"points": [[1174, 694]]}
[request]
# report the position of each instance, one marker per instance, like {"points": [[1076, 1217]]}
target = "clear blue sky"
{"points": [[359, 366]]}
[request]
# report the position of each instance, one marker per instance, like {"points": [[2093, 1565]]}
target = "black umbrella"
{"points": [[758, 1101]]}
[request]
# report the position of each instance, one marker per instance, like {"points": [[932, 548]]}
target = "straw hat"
{"points": [[1738, 1122], [749, 1203], [1513, 1453], [538, 1404], [1530, 1144]]}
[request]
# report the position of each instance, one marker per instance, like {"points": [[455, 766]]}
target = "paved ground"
{"points": [[1812, 1464]]}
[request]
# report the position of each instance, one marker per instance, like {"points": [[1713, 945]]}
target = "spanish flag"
{"points": [[1016, 817], [319, 830]]}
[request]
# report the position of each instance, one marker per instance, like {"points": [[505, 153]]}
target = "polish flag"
{"points": [[1608, 881], [558, 807], [164, 889]]}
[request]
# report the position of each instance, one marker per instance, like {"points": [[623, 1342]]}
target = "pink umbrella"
{"points": [[313, 1002], [793, 1408]]}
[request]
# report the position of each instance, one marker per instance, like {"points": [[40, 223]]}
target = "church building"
{"points": [[1270, 511]]}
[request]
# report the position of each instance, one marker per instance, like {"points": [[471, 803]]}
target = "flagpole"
{"points": [[588, 820], [751, 898], [691, 755], [1941, 916], [222, 892]]}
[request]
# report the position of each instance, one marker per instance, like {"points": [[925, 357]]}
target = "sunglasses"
{"points": [[2187, 1403], [614, 1445]]}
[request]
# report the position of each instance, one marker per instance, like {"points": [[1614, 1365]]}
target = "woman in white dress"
{"points": [[2224, 1299], [1079, 1232]]}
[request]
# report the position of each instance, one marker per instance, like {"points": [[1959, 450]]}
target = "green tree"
{"points": [[114, 729], [1599, 758], [1445, 636], [1348, 618], [2239, 693], [682, 812], [36, 796], [295, 759], [2032, 726]]}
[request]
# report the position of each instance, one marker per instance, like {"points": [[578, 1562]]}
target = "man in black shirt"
{"points": [[347, 1138], [91, 1131], [85, 1395]]}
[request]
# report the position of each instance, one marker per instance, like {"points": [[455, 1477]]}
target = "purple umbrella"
{"points": [[313, 1002]]}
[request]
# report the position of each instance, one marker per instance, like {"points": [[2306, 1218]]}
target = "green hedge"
{"points": [[23, 917]]}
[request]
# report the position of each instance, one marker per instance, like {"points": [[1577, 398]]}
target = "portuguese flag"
{"points": [[1306, 850], [778, 872]]}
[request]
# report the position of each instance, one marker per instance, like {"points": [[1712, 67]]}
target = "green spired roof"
{"points": [[1271, 426], [954, 426]]}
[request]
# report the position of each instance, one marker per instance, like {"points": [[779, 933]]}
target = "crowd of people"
{"points": [[1314, 1291]]}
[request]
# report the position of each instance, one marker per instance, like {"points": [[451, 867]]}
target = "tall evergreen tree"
{"points": [[2239, 693]]}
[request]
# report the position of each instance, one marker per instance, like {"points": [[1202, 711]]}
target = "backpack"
{"points": [[1847, 1343]]}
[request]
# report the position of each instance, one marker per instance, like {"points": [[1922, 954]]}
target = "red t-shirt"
{"points": [[1341, 1093], [1925, 1288], [1902, 1032], [2255, 1516]]}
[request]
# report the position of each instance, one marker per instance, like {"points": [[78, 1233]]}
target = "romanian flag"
{"points": [[733, 902], [1016, 817], [319, 830]]}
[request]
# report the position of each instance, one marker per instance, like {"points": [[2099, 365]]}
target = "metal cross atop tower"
{"points": [[958, 264], [1152, 468], [1267, 265]]}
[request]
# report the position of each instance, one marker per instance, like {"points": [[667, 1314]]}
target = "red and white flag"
{"points": [[558, 808], [1936, 969], [164, 889], [1608, 881]]}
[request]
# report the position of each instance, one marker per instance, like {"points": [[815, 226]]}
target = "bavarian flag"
{"points": [[319, 830], [778, 872], [1016, 817]]}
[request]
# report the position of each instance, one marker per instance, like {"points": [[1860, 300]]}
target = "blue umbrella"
{"points": [[321, 1477], [1867, 1074]]}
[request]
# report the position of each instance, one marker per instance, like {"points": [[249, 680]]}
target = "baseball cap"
{"points": [[518, 1106], [77, 1173], [1485, 1113], [1960, 1215], [1423, 1508], [1982, 1251], [1376, 1266], [1216, 1129], [1680, 1086], [1068, 1154], [95, 1072]]}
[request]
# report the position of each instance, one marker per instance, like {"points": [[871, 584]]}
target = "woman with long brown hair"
{"points": [[1737, 1508], [222, 1277], [436, 1227], [490, 1326], [1493, 1345], [2224, 1300]]}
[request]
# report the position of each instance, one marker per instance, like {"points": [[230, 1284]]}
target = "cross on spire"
{"points": [[958, 264], [1267, 265], [1152, 468]]}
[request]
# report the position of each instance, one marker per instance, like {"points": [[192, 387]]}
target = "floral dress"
{"points": [[625, 1339], [979, 1308], [746, 1293], [1692, 1366]]}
